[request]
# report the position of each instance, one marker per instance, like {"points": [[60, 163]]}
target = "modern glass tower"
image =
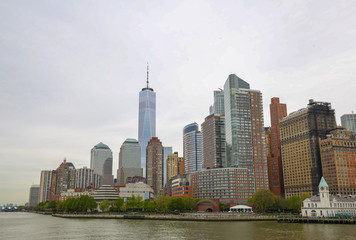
{"points": [[244, 125], [146, 119], [129, 161], [192, 148]]}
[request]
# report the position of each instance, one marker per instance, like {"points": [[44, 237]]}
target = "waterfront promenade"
{"points": [[211, 217], [182, 217]]}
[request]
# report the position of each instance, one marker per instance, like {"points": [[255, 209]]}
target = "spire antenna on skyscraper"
{"points": [[147, 74]]}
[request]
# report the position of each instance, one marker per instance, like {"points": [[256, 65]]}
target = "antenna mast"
{"points": [[147, 74]]}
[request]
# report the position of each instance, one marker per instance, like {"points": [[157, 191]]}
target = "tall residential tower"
{"points": [[154, 165], [244, 127], [275, 170]]}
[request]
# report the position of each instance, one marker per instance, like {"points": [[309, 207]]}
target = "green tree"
{"points": [[189, 203], [280, 204], [294, 203], [103, 206], [150, 205], [305, 195], [162, 202], [134, 202], [119, 203], [176, 203], [262, 200], [90, 204]]}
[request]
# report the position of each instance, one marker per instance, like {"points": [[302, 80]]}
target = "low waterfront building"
{"points": [[138, 189], [71, 193], [105, 192], [180, 185], [223, 184], [324, 205], [241, 208]]}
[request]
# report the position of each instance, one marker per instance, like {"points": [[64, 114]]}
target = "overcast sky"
{"points": [[70, 73]]}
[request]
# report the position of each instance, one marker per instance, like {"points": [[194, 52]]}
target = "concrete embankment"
{"points": [[170, 217], [317, 220]]}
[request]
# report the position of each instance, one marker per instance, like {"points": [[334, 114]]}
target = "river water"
{"points": [[35, 226]]}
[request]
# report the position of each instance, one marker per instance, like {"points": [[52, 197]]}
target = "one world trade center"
{"points": [[146, 119]]}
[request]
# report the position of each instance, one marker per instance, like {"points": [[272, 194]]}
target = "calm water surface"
{"points": [[35, 226]]}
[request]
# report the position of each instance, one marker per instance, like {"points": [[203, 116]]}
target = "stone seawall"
{"points": [[317, 220], [170, 217]]}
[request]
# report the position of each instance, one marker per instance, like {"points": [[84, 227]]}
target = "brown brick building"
{"points": [[338, 161], [223, 183], [175, 165], [300, 133], [274, 158], [154, 165], [213, 133]]}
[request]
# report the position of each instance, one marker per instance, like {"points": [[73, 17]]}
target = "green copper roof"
{"points": [[131, 140], [323, 183], [101, 145]]}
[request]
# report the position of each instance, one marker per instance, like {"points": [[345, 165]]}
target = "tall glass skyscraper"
{"points": [[146, 119], [101, 162], [192, 148], [129, 161], [219, 107]]}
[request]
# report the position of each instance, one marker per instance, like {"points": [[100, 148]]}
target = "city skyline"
{"points": [[74, 80]]}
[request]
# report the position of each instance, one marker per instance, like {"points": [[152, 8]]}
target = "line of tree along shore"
{"points": [[86, 204], [263, 201]]}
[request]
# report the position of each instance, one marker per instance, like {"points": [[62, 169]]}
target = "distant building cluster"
{"points": [[229, 159]]}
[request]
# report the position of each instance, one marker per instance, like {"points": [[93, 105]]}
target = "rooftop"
{"points": [[101, 146], [323, 183]]}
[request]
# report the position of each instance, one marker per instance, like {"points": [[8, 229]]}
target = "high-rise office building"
{"points": [[146, 119], [154, 165], [87, 178], [244, 128], [129, 161], [338, 161], [213, 133], [101, 162], [192, 148], [175, 165], [274, 160], [300, 132], [45, 185], [219, 107], [34, 195], [348, 121]]}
